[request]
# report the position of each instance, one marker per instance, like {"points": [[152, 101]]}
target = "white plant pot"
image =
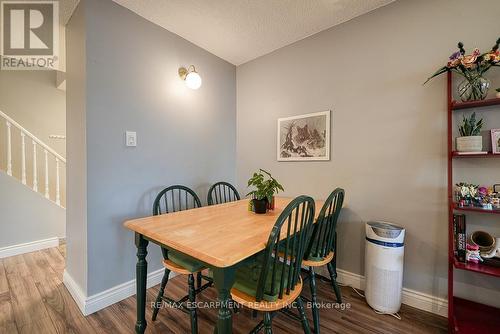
{"points": [[470, 144], [498, 95]]}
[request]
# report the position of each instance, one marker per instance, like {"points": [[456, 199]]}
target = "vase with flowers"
{"points": [[472, 68]]}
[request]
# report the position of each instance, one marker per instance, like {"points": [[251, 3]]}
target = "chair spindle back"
{"points": [[293, 227], [222, 192], [324, 238]]}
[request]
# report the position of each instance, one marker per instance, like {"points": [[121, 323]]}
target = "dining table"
{"points": [[221, 236]]}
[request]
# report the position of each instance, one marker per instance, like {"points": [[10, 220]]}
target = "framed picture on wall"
{"points": [[495, 141], [304, 137]]}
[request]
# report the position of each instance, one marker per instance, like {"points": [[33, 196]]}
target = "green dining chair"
{"points": [[322, 248], [271, 282], [173, 199], [222, 192]]}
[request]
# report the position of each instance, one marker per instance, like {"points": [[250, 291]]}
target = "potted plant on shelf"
{"points": [[266, 187], [498, 93], [470, 139], [472, 68]]}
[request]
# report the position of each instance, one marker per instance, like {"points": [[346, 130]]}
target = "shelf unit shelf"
{"points": [[455, 105], [478, 268], [474, 318], [465, 316], [475, 209], [457, 155]]}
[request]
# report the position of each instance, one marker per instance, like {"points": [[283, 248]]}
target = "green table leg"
{"points": [[223, 281], [141, 275]]}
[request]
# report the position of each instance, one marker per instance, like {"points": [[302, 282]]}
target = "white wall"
{"points": [[26, 216], [388, 130]]}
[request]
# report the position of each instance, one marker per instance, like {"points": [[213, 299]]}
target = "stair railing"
{"points": [[59, 160]]}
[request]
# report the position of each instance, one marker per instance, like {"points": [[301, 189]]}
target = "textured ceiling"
{"points": [[242, 30]]}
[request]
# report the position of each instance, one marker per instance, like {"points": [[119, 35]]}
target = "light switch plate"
{"points": [[131, 138]]}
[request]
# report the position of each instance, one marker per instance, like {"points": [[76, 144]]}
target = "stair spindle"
{"points": [[23, 158], [9, 150], [58, 194], [35, 176], [46, 174]]}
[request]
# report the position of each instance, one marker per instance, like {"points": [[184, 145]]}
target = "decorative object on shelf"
{"points": [[266, 187], [485, 241], [473, 254], [472, 68], [466, 193], [304, 137], [495, 141], [470, 139], [470, 195], [498, 93]]}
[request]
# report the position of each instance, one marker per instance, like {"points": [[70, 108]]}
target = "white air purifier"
{"points": [[384, 257]]}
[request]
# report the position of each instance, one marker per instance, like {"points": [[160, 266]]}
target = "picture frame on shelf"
{"points": [[495, 141]]}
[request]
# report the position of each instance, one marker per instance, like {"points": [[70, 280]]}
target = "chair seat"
{"points": [[182, 264], [247, 277], [249, 300], [318, 261]]}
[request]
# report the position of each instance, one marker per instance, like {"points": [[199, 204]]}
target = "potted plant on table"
{"points": [[470, 139], [498, 93], [266, 187]]}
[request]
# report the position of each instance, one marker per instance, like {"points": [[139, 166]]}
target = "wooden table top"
{"points": [[219, 235]]}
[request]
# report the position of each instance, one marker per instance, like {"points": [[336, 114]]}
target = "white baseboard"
{"points": [[94, 303], [412, 298], [28, 247]]}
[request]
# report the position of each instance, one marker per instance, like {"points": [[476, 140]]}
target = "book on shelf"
{"points": [[460, 237]]}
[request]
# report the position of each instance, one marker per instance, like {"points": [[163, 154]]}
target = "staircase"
{"points": [[41, 160]]}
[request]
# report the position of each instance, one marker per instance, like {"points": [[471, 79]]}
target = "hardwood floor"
{"points": [[33, 299]]}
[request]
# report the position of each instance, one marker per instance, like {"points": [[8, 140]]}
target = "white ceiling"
{"points": [[241, 30]]}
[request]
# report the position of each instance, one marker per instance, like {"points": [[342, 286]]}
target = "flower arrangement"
{"points": [[470, 127], [471, 67]]}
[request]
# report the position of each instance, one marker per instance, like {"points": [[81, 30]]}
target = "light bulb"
{"points": [[193, 80]]}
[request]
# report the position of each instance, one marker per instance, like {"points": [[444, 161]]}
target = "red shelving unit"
{"points": [[465, 316]]}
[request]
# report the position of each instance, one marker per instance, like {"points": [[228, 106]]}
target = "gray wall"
{"points": [[184, 136], [27, 216], [388, 131], [76, 210]]}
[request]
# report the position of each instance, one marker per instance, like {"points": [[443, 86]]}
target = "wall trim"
{"points": [[94, 303], [28, 247], [420, 300]]}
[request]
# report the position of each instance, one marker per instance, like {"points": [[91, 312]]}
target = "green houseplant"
{"points": [[470, 139], [498, 93], [266, 187]]}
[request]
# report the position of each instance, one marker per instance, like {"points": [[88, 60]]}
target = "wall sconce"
{"points": [[190, 77]]}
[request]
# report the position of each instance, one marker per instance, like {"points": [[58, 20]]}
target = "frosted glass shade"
{"points": [[193, 80]]}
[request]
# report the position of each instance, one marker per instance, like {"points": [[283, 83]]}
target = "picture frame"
{"points": [[495, 141], [304, 137]]}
